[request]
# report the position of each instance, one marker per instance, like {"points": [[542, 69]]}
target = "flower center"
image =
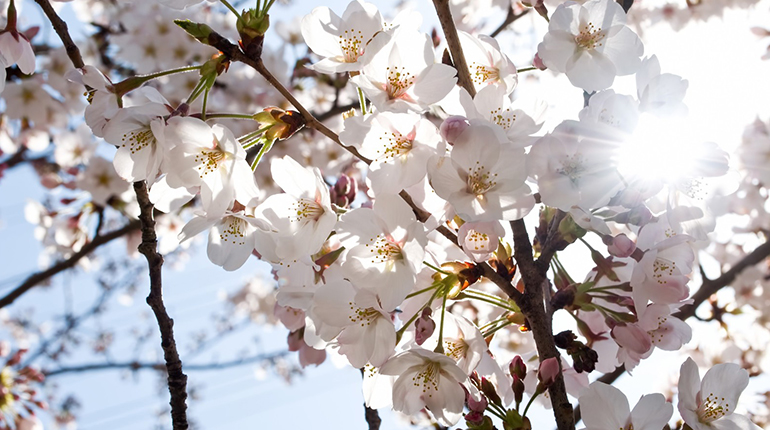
{"points": [[482, 74], [502, 118], [394, 145], [362, 316], [427, 378], [480, 180], [662, 268], [590, 37], [233, 232], [383, 250], [398, 82], [572, 167], [208, 160], [656, 335], [712, 409], [136, 140], [478, 241], [455, 348], [306, 210], [351, 43]]}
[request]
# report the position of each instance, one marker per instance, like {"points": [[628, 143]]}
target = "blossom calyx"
{"points": [[282, 124], [252, 28], [199, 31]]}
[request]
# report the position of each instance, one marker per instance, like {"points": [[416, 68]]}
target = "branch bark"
{"points": [[177, 380], [509, 19], [533, 273], [70, 262], [453, 42], [60, 27]]}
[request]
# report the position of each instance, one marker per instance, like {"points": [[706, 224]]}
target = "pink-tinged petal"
{"points": [[231, 242], [384, 338], [604, 406], [734, 422], [652, 412], [723, 384], [689, 386], [433, 84], [591, 71], [26, 60]]}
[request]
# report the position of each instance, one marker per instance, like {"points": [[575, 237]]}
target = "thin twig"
{"points": [[177, 380], [509, 19], [138, 365], [70, 262], [453, 42]]}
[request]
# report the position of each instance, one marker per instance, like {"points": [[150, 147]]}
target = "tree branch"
{"points": [[533, 273], [70, 262], [61, 29], [453, 42], [509, 19], [177, 380], [138, 365]]}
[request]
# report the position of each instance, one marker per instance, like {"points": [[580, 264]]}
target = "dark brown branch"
{"points": [[533, 273], [453, 42], [70, 262], [509, 19], [61, 29], [138, 365], [177, 380], [371, 416]]}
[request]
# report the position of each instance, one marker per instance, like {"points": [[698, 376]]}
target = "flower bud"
{"points": [[517, 367], [538, 62], [283, 124], [475, 405], [621, 246], [453, 127], [548, 371], [424, 327]]}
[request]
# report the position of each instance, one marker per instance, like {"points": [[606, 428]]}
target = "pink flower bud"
{"points": [[621, 246], [453, 127], [423, 327], [517, 367], [632, 337], [475, 405], [548, 371], [538, 62]]}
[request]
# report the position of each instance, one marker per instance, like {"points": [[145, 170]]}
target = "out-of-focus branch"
{"points": [[707, 289], [61, 29], [453, 42], [177, 380], [711, 286], [139, 365], [70, 262], [509, 19]]}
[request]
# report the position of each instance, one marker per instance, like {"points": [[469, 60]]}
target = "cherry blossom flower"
{"points": [[384, 248], [484, 177], [425, 379], [399, 146], [363, 329], [15, 49], [462, 341], [660, 94], [710, 403], [400, 73], [302, 217], [103, 103], [99, 179], [591, 44], [231, 236], [606, 408], [479, 240], [209, 157], [138, 132], [575, 166], [341, 41], [487, 64]]}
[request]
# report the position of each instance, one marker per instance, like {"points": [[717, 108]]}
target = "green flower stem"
{"points": [[495, 413], [496, 329], [440, 347], [232, 9], [526, 69], [486, 300], [538, 391], [265, 148], [417, 293], [362, 101], [205, 103], [435, 268], [230, 115], [401, 331]]}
